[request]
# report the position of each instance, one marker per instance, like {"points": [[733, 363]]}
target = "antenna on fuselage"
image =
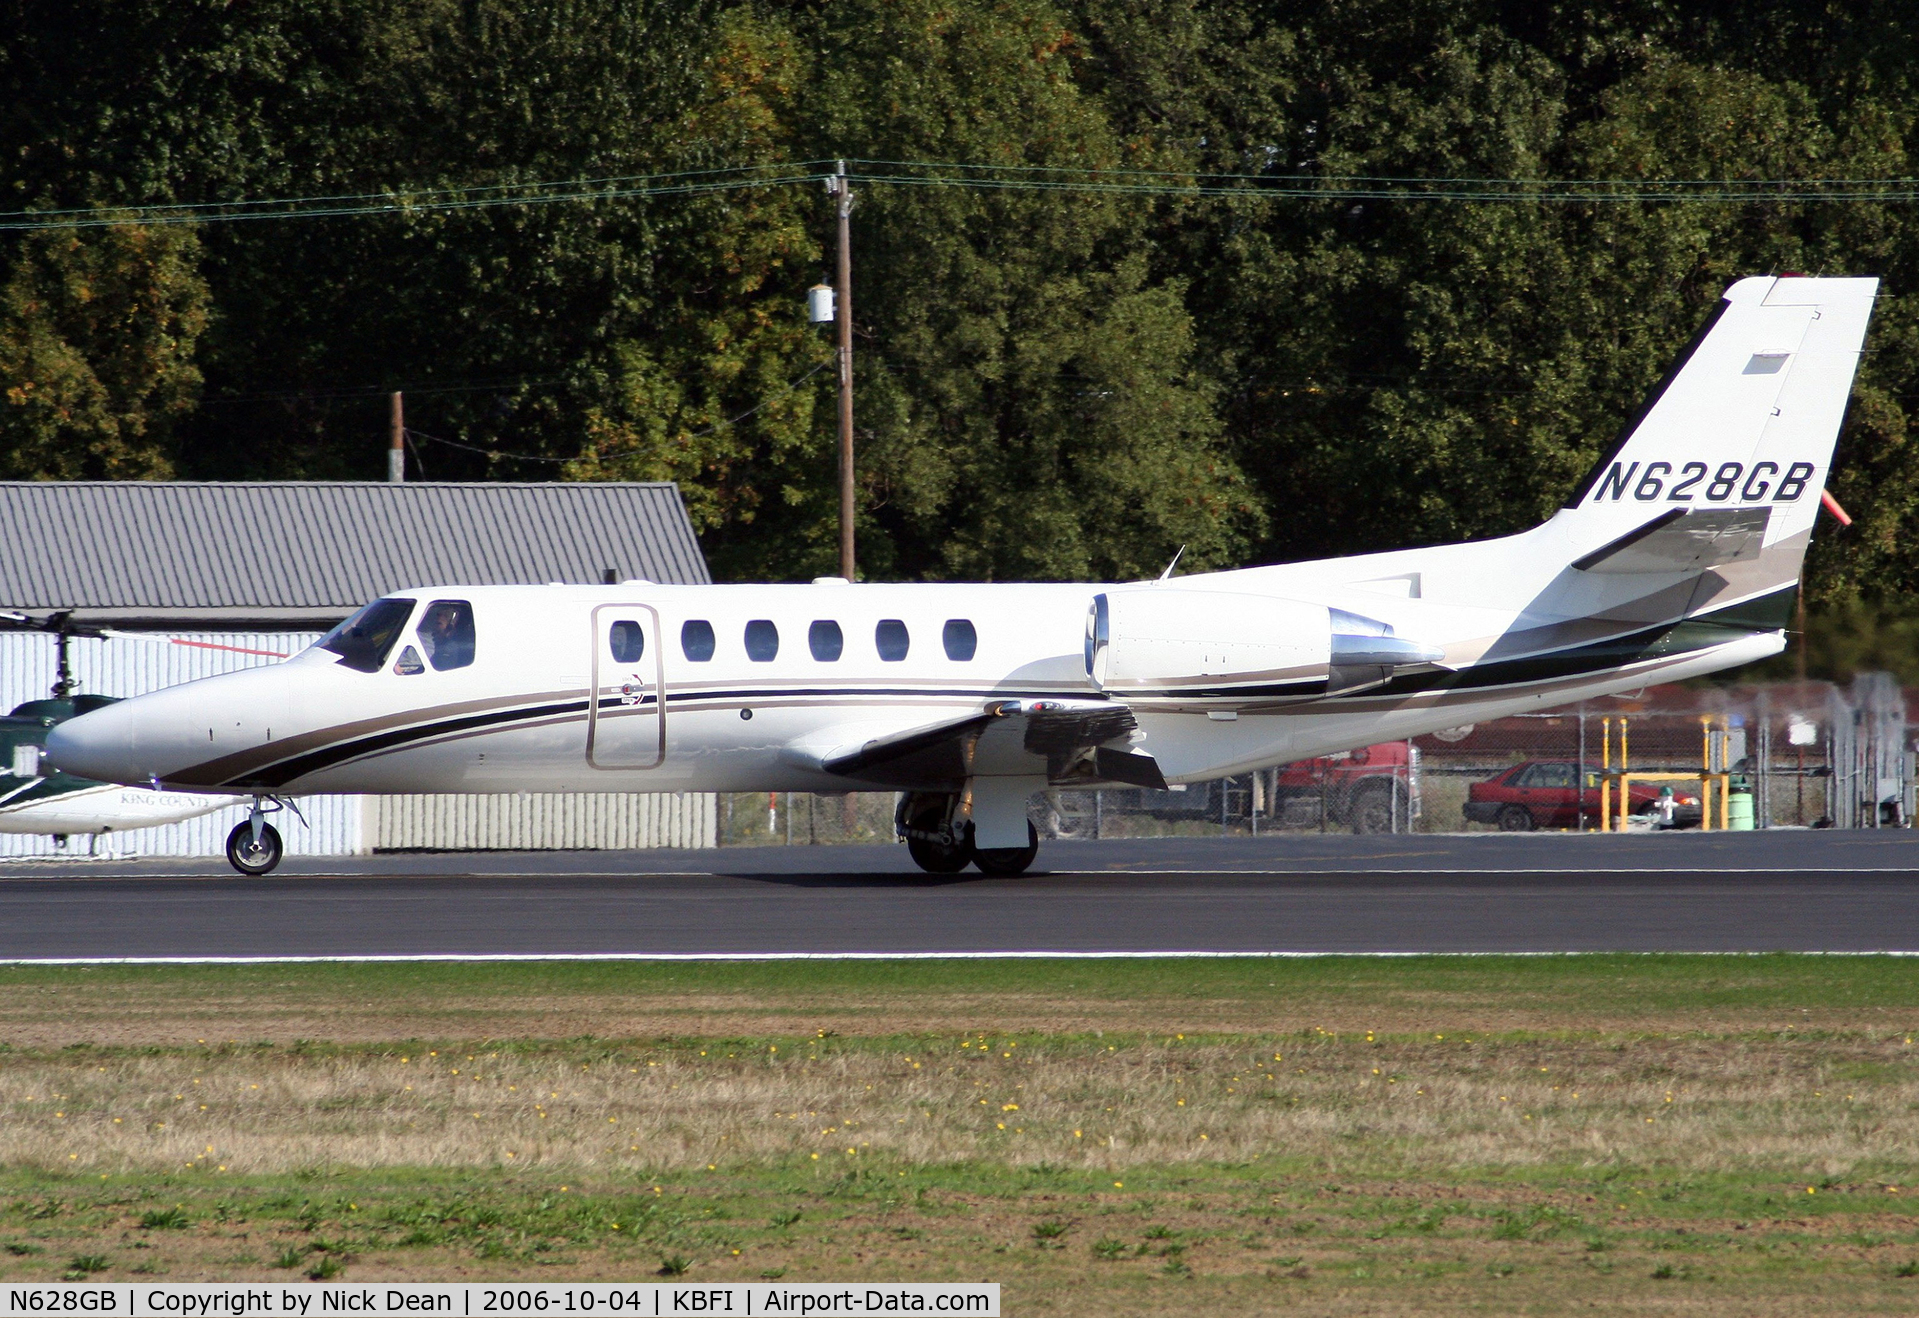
{"points": [[1167, 574]]}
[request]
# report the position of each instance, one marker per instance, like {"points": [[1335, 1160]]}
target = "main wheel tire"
{"points": [[939, 857], [1379, 808], [251, 858], [1005, 862], [1515, 819]]}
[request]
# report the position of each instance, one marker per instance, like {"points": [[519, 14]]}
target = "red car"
{"points": [[1547, 794]]}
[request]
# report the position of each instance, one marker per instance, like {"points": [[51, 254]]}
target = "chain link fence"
{"points": [[1796, 755]]}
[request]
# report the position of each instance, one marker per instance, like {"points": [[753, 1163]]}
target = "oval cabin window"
{"points": [[696, 640], [960, 639], [627, 640], [891, 639], [826, 641], [762, 641]]}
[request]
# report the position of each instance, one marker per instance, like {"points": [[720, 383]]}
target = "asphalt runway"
{"points": [[1749, 892]]}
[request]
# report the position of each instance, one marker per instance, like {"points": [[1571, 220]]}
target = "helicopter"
{"points": [[36, 798]]}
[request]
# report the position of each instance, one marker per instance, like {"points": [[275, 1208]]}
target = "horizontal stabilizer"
{"points": [[1684, 540]]}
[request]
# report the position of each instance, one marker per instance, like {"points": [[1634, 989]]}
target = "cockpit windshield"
{"points": [[363, 640]]}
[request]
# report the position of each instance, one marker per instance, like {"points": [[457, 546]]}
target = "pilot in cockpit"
{"points": [[446, 634]]}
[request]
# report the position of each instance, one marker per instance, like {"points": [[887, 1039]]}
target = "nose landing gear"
{"points": [[254, 847]]}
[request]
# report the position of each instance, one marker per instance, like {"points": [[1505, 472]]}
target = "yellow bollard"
{"points": [[1605, 773]]}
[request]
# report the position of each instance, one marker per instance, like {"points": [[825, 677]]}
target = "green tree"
{"points": [[719, 394], [97, 334], [1031, 403]]}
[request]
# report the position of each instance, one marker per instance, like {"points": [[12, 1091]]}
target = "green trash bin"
{"points": [[1739, 811]]}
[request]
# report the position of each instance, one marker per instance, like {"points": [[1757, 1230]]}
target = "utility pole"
{"points": [[396, 436], [842, 194]]}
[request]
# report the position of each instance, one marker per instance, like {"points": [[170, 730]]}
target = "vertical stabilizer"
{"points": [[1739, 435]]}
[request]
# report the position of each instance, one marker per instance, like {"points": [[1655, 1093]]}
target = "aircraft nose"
{"points": [[102, 745]]}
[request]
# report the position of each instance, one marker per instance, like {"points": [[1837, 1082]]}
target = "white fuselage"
{"points": [[1679, 554], [517, 718]]}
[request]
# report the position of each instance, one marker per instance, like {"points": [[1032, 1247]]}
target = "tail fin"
{"points": [[1725, 462]]}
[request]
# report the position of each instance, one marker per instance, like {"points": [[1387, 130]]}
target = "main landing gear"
{"points": [[941, 844], [254, 847]]}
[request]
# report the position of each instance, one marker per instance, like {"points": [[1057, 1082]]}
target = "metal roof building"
{"points": [[272, 555], [224, 576]]}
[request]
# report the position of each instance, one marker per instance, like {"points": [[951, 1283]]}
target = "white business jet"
{"points": [[1679, 554]]}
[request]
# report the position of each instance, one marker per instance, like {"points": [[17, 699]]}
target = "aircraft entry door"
{"points": [[626, 711]]}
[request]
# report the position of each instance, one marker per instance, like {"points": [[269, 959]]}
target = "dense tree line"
{"points": [[1052, 383]]}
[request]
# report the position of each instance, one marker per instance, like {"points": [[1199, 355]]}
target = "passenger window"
{"points": [[891, 638], [446, 634], [960, 639], [825, 640], [696, 640], [762, 641], [362, 641], [627, 640]]}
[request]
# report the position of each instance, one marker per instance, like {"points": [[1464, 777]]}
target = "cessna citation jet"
{"points": [[1679, 554]]}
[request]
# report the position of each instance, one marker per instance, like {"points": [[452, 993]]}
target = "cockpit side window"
{"points": [[362, 641], [446, 634]]}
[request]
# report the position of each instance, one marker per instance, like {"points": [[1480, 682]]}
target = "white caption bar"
{"points": [[483, 1300]]}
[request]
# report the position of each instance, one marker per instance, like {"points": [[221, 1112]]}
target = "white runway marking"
{"points": [[1488, 871], [848, 956]]}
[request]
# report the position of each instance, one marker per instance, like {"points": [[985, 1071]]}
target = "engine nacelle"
{"points": [[1167, 641]]}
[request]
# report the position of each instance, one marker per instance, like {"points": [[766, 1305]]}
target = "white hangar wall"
{"points": [[335, 825]]}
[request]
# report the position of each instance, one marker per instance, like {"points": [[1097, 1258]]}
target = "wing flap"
{"points": [[1067, 740]]}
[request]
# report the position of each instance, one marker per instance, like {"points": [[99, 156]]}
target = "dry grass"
{"points": [[47, 1007], [1830, 1106], [1481, 1135]]}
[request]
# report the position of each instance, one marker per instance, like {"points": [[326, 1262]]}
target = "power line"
{"points": [[504, 385], [1084, 180], [409, 202], [463, 191], [411, 433]]}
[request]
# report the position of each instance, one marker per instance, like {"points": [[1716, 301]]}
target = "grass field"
{"points": [[1696, 1134]]}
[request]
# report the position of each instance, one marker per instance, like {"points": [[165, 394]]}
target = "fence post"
{"points": [[1579, 819]]}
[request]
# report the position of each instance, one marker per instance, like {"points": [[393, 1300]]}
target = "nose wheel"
{"points": [[254, 855], [254, 847]]}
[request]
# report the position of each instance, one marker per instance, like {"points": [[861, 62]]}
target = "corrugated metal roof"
{"points": [[276, 547]]}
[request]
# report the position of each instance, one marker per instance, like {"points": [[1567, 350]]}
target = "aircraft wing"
{"points": [[1684, 540], [1067, 740]]}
